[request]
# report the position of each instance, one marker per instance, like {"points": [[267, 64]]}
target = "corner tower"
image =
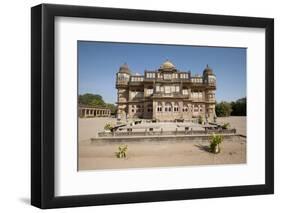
{"points": [[209, 79], [122, 86]]}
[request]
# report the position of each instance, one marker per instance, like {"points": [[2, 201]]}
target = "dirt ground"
{"points": [[145, 154], [237, 122]]}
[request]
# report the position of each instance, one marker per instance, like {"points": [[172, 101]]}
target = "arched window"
{"points": [[176, 107], [195, 108], [168, 107], [159, 107], [185, 108]]}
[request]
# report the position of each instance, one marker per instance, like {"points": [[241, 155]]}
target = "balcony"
{"points": [[169, 95]]}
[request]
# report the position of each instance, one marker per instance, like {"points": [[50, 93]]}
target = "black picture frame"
{"points": [[43, 102]]}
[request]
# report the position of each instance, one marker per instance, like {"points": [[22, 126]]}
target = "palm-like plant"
{"points": [[215, 142], [122, 151]]}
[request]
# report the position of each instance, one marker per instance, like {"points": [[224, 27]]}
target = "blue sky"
{"points": [[98, 63]]}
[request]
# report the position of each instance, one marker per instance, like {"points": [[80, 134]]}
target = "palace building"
{"points": [[165, 94]]}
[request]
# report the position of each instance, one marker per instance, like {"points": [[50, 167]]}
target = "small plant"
{"points": [[200, 120], [108, 127], [225, 126], [215, 142], [122, 151]]}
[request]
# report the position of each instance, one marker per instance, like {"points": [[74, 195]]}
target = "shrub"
{"points": [[225, 126], [108, 126], [215, 142], [122, 151]]}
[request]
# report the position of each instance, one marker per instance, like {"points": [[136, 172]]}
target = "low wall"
{"points": [[161, 139], [166, 133]]}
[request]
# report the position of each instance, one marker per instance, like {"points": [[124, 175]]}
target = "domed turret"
{"points": [[208, 71], [209, 76], [125, 69], [123, 75], [167, 65]]}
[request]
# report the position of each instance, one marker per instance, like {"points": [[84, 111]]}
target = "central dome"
{"points": [[168, 65]]}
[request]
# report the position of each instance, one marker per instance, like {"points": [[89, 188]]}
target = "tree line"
{"points": [[234, 108], [95, 101]]}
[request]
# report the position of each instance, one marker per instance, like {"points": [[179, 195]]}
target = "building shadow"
{"points": [[203, 147]]}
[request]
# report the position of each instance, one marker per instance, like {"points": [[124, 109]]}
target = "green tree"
{"points": [[239, 107], [91, 99], [112, 108], [223, 109]]}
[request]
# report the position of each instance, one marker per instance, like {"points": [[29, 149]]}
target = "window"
{"points": [[184, 75], [185, 108], [167, 76], [136, 79], [150, 75], [149, 91], [195, 108], [157, 88], [159, 107], [185, 91], [195, 95], [212, 79], [200, 95], [176, 107], [168, 107], [167, 89], [123, 77], [173, 89], [197, 80]]}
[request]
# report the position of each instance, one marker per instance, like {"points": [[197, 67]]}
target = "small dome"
{"points": [[208, 71], [125, 69], [167, 65]]}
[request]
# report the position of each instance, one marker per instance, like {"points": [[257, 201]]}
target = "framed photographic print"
{"points": [[139, 106]]}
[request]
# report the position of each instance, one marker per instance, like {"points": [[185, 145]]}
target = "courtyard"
{"points": [[161, 153]]}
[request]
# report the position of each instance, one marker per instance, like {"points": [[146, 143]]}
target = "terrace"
{"points": [[166, 129]]}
